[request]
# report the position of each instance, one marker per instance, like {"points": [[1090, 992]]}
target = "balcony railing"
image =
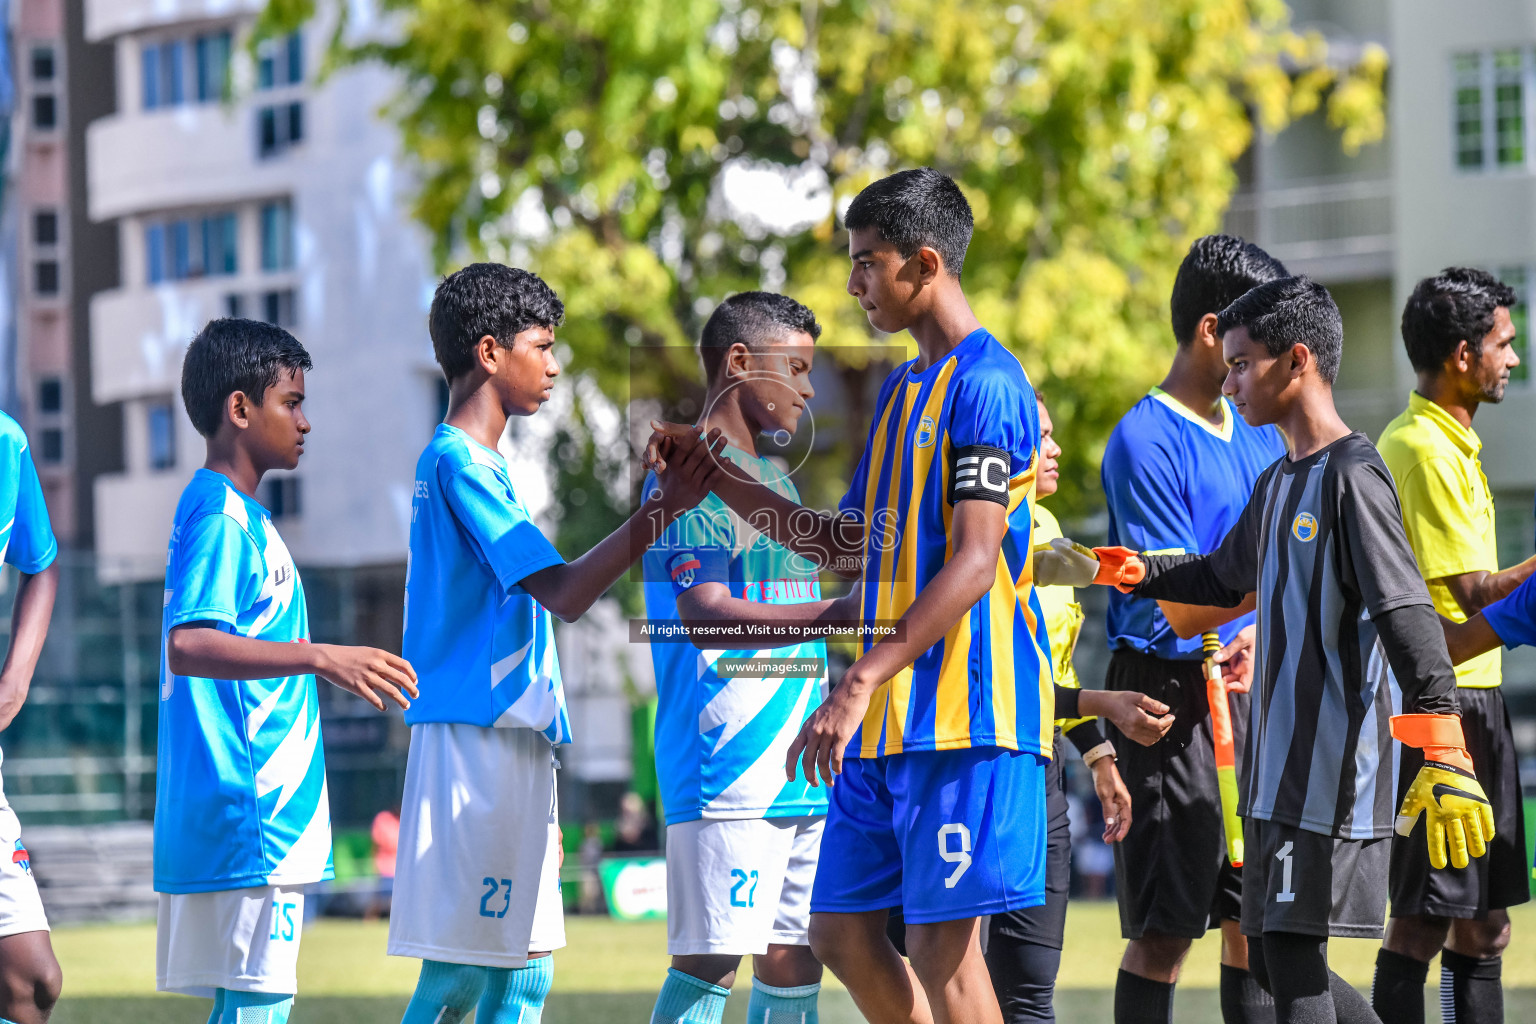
{"points": [[1325, 226]]}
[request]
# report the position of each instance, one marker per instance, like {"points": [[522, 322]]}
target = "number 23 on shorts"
{"points": [[955, 848]]}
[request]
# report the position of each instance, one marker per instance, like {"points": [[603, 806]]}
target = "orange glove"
{"points": [[1120, 568]]}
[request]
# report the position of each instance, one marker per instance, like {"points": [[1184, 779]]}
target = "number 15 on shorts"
{"points": [[955, 848]]}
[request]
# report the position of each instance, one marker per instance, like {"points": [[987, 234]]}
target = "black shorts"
{"points": [[1046, 924], [1492, 882], [1171, 871], [1312, 884], [1043, 925]]}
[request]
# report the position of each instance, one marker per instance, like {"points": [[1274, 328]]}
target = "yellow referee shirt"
{"points": [[1063, 617], [1447, 510]]}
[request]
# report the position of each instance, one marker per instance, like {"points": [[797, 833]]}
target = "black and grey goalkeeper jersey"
{"points": [[1339, 598]]}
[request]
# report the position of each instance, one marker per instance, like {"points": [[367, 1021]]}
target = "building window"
{"points": [[278, 128], [278, 307], [45, 112], [52, 445], [212, 58], [161, 417], [1519, 278], [1491, 127], [234, 305], [45, 277], [280, 62], [42, 64], [45, 228], [50, 395], [193, 69], [277, 235], [205, 246], [284, 497]]}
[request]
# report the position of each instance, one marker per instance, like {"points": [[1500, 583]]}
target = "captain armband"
{"points": [[980, 471]]}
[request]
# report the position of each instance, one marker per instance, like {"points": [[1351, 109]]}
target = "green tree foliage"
{"points": [[593, 139]]}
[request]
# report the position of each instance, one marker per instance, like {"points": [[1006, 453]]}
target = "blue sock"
{"points": [[256, 1007], [213, 1017], [772, 1005], [516, 996], [445, 993], [685, 999]]}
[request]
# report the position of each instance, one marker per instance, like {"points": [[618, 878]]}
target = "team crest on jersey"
{"points": [[1304, 527], [22, 857], [925, 432], [683, 567]]}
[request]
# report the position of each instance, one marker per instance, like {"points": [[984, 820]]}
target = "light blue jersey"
{"points": [[482, 647], [26, 538], [240, 795], [721, 741]]}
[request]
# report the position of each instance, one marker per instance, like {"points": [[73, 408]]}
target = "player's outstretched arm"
{"points": [[1466, 640], [200, 649], [1475, 591], [706, 608], [568, 589], [30, 616], [1191, 620], [977, 530], [831, 542]]}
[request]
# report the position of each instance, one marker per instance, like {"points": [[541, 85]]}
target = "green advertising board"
{"points": [[636, 887]]}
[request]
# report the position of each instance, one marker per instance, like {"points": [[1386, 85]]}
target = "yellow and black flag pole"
{"points": [[1226, 751]]}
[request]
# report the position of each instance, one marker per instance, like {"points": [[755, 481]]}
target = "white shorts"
{"points": [[735, 886], [477, 874], [21, 908], [245, 940]]}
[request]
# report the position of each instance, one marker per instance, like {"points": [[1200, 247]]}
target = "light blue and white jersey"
{"points": [[482, 647], [26, 538], [721, 740], [240, 794]]}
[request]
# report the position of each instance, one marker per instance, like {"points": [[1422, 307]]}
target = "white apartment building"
{"points": [[1453, 183], [244, 187]]}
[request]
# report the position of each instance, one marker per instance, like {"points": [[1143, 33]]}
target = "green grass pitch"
{"points": [[610, 971]]}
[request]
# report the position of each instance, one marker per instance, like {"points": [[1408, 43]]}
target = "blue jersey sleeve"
{"points": [[996, 410], [30, 545], [215, 572], [1146, 497], [498, 528], [1513, 617], [698, 548]]}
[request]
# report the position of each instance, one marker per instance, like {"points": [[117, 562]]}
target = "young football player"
{"points": [[30, 977], [242, 821], [938, 734], [1459, 336], [477, 886], [1321, 542], [741, 844], [1177, 471]]}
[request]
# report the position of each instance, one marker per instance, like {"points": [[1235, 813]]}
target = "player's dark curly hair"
{"points": [[1217, 269], [915, 208], [487, 299], [751, 318], [1455, 305], [1287, 312], [232, 355]]}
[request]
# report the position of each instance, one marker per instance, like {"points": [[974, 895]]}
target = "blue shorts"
{"points": [[944, 835]]}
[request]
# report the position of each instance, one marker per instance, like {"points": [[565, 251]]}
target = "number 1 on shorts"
{"points": [[1283, 855]]}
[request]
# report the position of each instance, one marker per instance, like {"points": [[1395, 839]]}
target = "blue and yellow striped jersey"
{"points": [[967, 422]]}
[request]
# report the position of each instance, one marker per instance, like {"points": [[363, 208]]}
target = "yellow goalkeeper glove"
{"points": [[1455, 808], [1066, 563]]}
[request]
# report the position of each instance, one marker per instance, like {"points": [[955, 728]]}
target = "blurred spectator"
{"points": [[590, 894], [636, 826], [386, 840], [1092, 860]]}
